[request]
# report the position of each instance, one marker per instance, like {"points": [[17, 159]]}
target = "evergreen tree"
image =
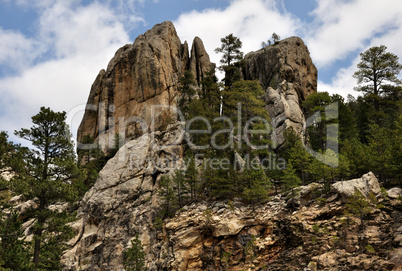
{"points": [[191, 178], [315, 108], [168, 196], [257, 185], [290, 180], [300, 160], [377, 70], [380, 148], [230, 48], [178, 182], [14, 250], [275, 37], [50, 176], [134, 257], [347, 119], [210, 93], [186, 89]]}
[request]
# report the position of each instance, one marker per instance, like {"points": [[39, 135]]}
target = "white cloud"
{"points": [[253, 21], [343, 83], [17, 51], [78, 40], [74, 41], [344, 27]]}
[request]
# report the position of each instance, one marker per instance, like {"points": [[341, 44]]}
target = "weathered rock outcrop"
{"points": [[140, 82], [210, 235], [366, 185], [288, 74], [224, 235], [123, 202]]}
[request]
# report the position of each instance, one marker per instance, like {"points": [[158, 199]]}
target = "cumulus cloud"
{"points": [[76, 41], [17, 51], [343, 27], [253, 21]]}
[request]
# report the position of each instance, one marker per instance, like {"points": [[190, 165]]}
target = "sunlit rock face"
{"points": [[140, 85], [287, 73]]}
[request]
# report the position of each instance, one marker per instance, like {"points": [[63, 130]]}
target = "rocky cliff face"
{"points": [[318, 235], [288, 74], [124, 200], [140, 84]]}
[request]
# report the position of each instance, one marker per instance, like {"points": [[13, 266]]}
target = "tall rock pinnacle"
{"points": [[139, 76], [288, 74]]}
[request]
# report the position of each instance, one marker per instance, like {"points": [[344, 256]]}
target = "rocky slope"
{"points": [[318, 235]]}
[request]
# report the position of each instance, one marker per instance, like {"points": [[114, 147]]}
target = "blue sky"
{"points": [[52, 50]]}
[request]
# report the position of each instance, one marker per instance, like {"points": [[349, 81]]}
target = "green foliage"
{"points": [[230, 49], [315, 107], [249, 249], [377, 74], [275, 38], [289, 179], [257, 185], [191, 178], [207, 214], [134, 257], [49, 175], [377, 69], [370, 249], [186, 89], [358, 206], [168, 196], [14, 250], [316, 228]]}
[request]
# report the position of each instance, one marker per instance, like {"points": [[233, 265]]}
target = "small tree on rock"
{"points": [[134, 257]]}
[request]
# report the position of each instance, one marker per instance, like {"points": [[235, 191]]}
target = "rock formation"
{"points": [[288, 74], [225, 235], [140, 84], [123, 202], [211, 235]]}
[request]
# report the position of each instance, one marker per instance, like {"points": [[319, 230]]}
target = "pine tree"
{"points": [[168, 196], [134, 257], [290, 180], [230, 48], [300, 160], [191, 178], [257, 186], [186, 89], [377, 70], [14, 250], [50, 176], [315, 108]]}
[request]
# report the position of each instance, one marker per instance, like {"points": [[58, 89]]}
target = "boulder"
{"points": [[367, 184], [394, 193], [305, 194]]}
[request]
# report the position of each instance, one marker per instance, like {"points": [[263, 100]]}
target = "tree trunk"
{"points": [[38, 234]]}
